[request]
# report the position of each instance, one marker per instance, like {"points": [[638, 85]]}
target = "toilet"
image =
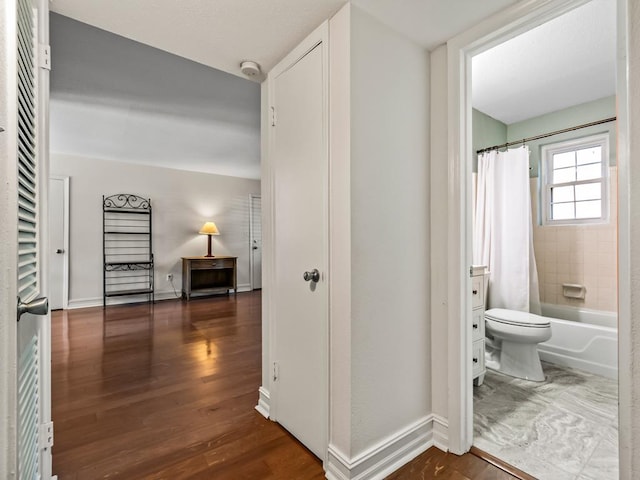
{"points": [[513, 340]]}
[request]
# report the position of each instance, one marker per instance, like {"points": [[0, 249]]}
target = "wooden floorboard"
{"points": [[168, 392]]}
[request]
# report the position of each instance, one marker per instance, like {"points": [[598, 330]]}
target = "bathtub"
{"points": [[583, 339]]}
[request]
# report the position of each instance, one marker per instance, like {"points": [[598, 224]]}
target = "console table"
{"points": [[208, 275]]}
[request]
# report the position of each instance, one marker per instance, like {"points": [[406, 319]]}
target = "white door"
{"points": [[300, 161], [58, 242], [24, 339], [256, 242]]}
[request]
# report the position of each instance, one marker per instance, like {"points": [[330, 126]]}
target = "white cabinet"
{"points": [[478, 275]]}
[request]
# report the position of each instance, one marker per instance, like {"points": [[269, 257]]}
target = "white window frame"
{"points": [[546, 157]]}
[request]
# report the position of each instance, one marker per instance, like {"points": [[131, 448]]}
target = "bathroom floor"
{"points": [[563, 428]]}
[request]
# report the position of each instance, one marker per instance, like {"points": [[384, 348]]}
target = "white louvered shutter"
{"points": [[29, 394], [27, 154]]}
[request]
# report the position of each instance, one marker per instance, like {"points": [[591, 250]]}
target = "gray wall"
{"points": [[569, 117], [488, 131], [116, 99]]}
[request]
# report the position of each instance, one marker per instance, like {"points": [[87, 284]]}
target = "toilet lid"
{"points": [[515, 317]]}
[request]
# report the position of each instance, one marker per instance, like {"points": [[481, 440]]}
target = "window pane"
{"points": [[562, 194], [589, 155], [590, 209], [562, 211], [587, 172], [562, 160], [589, 191], [564, 175]]}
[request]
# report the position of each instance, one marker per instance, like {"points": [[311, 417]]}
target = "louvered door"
{"points": [[24, 328]]}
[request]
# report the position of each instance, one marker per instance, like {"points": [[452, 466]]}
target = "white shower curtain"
{"points": [[503, 230]]}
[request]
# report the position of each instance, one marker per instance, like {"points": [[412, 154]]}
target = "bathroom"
{"points": [[564, 424]]}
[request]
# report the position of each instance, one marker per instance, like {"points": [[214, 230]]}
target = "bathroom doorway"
{"points": [[551, 93]]}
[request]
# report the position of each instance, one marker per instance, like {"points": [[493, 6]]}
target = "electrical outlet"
{"points": [[169, 277]]}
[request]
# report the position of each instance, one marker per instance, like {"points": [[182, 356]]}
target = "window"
{"points": [[574, 181]]}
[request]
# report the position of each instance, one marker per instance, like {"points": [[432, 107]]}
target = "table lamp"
{"points": [[209, 229]]}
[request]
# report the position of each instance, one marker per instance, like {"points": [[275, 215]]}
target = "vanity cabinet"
{"points": [[478, 276]]}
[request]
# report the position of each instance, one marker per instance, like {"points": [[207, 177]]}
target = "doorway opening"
{"points": [[462, 49], [558, 194]]}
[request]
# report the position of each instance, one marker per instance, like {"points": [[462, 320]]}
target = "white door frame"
{"points": [[252, 196], [65, 246], [493, 31]]}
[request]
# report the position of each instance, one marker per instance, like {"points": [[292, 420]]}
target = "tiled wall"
{"points": [[585, 255]]}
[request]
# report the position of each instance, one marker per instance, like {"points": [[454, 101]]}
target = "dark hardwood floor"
{"points": [[168, 392]]}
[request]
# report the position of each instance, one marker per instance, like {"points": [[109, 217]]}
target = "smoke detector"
{"points": [[250, 69]]}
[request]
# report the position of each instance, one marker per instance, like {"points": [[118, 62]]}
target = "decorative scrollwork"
{"points": [[127, 267], [127, 201]]}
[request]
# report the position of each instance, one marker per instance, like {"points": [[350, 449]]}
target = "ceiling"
{"points": [[223, 33], [565, 62]]}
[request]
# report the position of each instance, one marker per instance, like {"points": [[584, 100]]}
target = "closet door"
{"points": [[24, 324], [300, 163]]}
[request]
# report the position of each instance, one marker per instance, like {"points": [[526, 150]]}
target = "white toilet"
{"points": [[513, 340]]}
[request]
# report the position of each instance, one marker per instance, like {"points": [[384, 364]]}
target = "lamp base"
{"points": [[209, 254]]}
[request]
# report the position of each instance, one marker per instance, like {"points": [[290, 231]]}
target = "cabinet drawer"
{"points": [[477, 291], [477, 324], [477, 357], [210, 264]]}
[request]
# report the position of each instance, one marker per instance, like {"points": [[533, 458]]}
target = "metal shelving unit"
{"points": [[127, 246]]}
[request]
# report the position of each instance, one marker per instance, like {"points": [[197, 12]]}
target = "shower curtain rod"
{"points": [[545, 135]]}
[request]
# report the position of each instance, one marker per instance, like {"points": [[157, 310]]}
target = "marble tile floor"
{"points": [[565, 428]]}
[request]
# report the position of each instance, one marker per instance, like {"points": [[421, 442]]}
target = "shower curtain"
{"points": [[503, 230]]}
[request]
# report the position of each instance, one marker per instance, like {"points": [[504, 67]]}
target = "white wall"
{"points": [[340, 231], [390, 291], [182, 201]]}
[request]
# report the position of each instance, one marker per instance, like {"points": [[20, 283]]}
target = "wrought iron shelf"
{"points": [[127, 210], [128, 266], [121, 293]]}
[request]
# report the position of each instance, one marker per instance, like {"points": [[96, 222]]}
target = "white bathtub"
{"points": [[583, 339]]}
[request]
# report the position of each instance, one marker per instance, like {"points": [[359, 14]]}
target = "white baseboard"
{"points": [[264, 401], [165, 295], [386, 457], [97, 301], [441, 432]]}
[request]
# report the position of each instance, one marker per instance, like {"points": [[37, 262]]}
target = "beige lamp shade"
{"points": [[209, 228]]}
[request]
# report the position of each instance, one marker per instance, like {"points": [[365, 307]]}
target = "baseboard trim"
{"points": [[384, 458], [440, 432], [264, 402], [166, 295]]}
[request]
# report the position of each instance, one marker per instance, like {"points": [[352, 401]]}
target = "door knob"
{"points": [[59, 250], [39, 306], [312, 276]]}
